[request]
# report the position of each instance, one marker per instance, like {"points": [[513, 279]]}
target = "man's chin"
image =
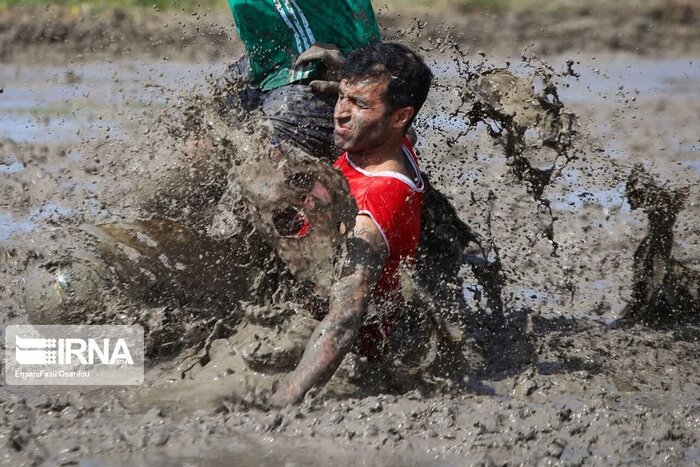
{"points": [[342, 143]]}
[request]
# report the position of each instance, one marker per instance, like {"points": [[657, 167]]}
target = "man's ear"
{"points": [[401, 116]]}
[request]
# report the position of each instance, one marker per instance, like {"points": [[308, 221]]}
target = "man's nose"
{"points": [[341, 111]]}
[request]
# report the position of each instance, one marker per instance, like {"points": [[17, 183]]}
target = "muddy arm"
{"points": [[336, 334]]}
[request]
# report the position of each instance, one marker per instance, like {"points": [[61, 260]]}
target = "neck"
{"points": [[390, 149]]}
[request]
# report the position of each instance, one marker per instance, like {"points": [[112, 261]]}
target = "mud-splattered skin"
{"points": [[366, 127], [361, 117], [350, 297]]}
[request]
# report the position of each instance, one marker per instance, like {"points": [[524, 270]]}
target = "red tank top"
{"points": [[393, 201]]}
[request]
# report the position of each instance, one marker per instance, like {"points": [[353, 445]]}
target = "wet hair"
{"points": [[409, 76]]}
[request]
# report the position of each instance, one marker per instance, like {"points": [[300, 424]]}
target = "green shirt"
{"points": [[275, 32]]}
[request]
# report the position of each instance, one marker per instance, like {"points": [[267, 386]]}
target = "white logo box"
{"points": [[74, 355]]}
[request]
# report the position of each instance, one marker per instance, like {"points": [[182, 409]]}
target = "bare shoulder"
{"points": [[366, 229]]}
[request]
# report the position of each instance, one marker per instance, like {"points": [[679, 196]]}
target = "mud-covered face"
{"points": [[362, 116]]}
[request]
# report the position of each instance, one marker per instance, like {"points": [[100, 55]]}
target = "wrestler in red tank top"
{"points": [[393, 201]]}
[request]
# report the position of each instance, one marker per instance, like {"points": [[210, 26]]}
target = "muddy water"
{"points": [[586, 391]]}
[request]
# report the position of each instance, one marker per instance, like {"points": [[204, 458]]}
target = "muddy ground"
{"points": [[50, 34], [88, 135]]}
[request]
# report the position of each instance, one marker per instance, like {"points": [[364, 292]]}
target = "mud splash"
{"points": [[158, 264], [561, 377], [663, 290]]}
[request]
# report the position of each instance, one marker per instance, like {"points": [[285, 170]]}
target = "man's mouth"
{"points": [[340, 131]]}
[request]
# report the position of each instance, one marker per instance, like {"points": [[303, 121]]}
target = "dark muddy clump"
{"points": [[663, 289]]}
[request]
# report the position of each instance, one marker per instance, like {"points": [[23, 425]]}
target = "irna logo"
{"points": [[69, 351]]}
